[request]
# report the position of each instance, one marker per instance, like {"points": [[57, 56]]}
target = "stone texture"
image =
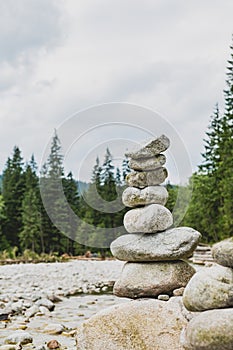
{"points": [[134, 197], [210, 288], [151, 149], [19, 337], [136, 325], [222, 252], [147, 163], [149, 219], [210, 330], [151, 279], [146, 178], [173, 244]]}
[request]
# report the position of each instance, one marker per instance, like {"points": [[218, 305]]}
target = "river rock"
{"points": [[174, 244], [136, 325], [151, 149], [134, 197], [210, 330], [222, 252], [209, 288], [54, 328], [149, 219], [151, 279], [46, 303], [147, 163], [142, 179], [19, 337]]}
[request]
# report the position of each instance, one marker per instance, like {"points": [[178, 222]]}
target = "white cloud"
{"points": [[61, 56]]}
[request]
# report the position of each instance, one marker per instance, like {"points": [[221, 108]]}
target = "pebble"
{"points": [[134, 197], [144, 179], [151, 149]]}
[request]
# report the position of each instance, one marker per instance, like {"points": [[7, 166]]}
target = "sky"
{"points": [[61, 58]]}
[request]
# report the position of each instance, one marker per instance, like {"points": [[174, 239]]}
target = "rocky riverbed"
{"points": [[41, 304]]}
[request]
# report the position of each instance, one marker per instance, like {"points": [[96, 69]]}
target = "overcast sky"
{"points": [[61, 56]]}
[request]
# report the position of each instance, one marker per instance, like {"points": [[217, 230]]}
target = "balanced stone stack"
{"points": [[153, 252], [210, 291]]}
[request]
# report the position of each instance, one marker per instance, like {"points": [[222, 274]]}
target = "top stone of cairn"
{"points": [[151, 149]]}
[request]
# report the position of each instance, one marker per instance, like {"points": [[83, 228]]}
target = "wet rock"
{"points": [[173, 244], [148, 163], [134, 197], [151, 279], [149, 219], [151, 149], [147, 178]]}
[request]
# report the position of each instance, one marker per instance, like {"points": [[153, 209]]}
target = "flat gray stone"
{"points": [[19, 337], [148, 219], [139, 280], [209, 288], [222, 252], [151, 149], [173, 244], [142, 179], [147, 163], [134, 197], [135, 325], [210, 330]]}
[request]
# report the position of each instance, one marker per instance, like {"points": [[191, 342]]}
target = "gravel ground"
{"points": [[49, 301]]}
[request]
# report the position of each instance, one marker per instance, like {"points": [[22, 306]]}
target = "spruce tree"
{"points": [[31, 234], [13, 187]]}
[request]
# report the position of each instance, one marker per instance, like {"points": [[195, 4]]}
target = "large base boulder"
{"points": [[136, 325], [139, 280]]}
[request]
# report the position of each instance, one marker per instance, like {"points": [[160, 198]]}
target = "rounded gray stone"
{"points": [[134, 197], [210, 330], [173, 244], [151, 149], [209, 288], [149, 219], [139, 280], [135, 325], [148, 163], [222, 252], [142, 179], [19, 337]]}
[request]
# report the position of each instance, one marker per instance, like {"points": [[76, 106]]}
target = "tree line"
{"points": [[25, 224], [24, 221]]}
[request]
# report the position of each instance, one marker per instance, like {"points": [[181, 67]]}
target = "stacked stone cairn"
{"points": [[153, 253], [210, 294]]}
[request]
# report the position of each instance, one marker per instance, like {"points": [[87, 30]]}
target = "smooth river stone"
{"points": [[134, 197], [147, 163], [209, 288], [150, 279], [174, 244], [149, 219], [134, 325], [151, 149], [210, 330], [222, 252], [146, 178]]}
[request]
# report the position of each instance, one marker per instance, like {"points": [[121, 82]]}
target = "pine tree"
{"points": [[3, 241], [31, 234], [125, 168], [55, 213], [13, 187]]}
